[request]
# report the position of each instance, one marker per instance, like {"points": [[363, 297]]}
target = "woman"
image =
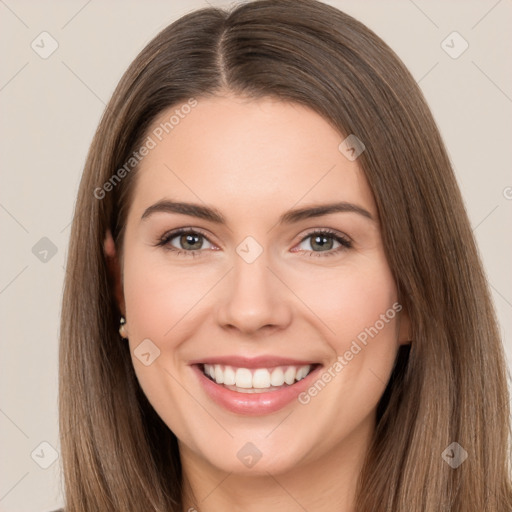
{"points": [[274, 300]]}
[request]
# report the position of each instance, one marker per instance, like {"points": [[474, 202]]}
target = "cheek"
{"points": [[359, 311], [159, 301], [160, 305], [356, 309], [350, 301]]}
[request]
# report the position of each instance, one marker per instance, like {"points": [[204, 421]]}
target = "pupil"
{"points": [[323, 242], [190, 239]]}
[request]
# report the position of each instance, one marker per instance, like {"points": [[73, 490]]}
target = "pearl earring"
{"points": [[122, 328]]}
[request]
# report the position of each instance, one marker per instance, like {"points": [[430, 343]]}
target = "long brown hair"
{"points": [[451, 385]]}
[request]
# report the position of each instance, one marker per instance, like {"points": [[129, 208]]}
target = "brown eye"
{"points": [[184, 241], [189, 241], [327, 242]]}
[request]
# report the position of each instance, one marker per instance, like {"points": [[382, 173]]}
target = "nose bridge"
{"points": [[253, 297]]}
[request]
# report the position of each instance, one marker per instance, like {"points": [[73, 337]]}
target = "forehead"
{"points": [[248, 155]]}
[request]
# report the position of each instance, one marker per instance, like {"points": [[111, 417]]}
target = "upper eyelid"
{"points": [[329, 231], [173, 233]]}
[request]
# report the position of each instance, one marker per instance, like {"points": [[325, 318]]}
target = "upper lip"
{"points": [[253, 362]]}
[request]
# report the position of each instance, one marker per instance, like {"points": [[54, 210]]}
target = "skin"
{"points": [[253, 160]]}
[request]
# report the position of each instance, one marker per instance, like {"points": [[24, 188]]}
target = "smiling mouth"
{"points": [[256, 380]]}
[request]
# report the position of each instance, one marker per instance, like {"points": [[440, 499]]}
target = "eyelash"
{"points": [[344, 242]]}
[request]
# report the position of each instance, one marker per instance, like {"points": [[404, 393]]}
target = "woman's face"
{"points": [[280, 271]]}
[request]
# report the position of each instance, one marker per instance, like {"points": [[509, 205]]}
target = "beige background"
{"points": [[50, 109]]}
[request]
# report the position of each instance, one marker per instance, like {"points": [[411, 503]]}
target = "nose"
{"points": [[254, 299]]}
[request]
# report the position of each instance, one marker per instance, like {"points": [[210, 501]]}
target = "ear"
{"points": [[404, 328], [114, 270]]}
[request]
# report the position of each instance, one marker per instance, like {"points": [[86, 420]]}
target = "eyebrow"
{"points": [[290, 217]]}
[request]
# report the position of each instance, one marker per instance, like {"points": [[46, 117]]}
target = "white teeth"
{"points": [[260, 378], [229, 376], [277, 377], [289, 375], [302, 372], [219, 375], [243, 378]]}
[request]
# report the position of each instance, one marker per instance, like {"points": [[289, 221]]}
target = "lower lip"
{"points": [[253, 404]]}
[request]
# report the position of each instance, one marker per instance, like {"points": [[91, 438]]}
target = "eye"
{"points": [[186, 241], [324, 241], [191, 242]]}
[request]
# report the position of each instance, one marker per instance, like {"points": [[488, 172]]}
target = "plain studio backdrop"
{"points": [[61, 63]]}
